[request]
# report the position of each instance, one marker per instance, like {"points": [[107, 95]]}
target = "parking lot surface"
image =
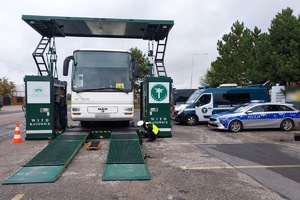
{"points": [[196, 163]]}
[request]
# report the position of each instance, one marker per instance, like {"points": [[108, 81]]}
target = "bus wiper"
{"points": [[91, 89], [102, 88], [120, 89]]}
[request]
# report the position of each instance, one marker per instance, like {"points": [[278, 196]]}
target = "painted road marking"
{"points": [[18, 197], [240, 167]]}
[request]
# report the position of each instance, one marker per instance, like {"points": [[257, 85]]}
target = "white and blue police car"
{"points": [[256, 115]]}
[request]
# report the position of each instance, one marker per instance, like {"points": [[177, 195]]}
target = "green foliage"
{"points": [[236, 57], [247, 56], [69, 96], [284, 47], [143, 60], [6, 87], [145, 70]]}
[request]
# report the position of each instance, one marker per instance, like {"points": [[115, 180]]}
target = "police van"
{"points": [[1, 101], [207, 101]]}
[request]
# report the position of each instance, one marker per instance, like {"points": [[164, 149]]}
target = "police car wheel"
{"points": [[286, 125], [235, 126], [191, 120]]}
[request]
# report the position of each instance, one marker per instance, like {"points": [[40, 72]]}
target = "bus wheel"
{"points": [[84, 124], [286, 125], [124, 123], [191, 120], [235, 126]]}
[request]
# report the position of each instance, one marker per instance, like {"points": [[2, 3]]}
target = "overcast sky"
{"points": [[191, 47]]}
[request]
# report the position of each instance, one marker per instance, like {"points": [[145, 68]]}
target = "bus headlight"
{"points": [[75, 109], [128, 109]]}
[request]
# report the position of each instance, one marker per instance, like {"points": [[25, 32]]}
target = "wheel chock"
{"points": [[93, 145]]}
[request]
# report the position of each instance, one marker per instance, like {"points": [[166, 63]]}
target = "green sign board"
{"points": [[157, 99], [159, 92]]}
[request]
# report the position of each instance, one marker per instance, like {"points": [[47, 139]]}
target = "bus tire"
{"points": [[235, 126], [191, 120], [124, 123], [84, 124]]}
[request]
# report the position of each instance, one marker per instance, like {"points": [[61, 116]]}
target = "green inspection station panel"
{"points": [[55, 26]]}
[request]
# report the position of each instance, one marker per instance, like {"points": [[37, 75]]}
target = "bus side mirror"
{"points": [[136, 69], [66, 65]]}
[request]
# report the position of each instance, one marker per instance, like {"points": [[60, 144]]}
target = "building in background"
{"points": [[17, 98]]}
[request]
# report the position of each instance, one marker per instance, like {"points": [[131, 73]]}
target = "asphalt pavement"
{"points": [[11, 108], [196, 163]]}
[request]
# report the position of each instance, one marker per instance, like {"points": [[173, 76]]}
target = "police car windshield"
{"points": [[242, 108]]}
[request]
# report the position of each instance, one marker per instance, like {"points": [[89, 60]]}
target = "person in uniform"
{"points": [[62, 110], [151, 130]]}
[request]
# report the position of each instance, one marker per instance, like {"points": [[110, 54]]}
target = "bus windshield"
{"points": [[101, 71]]}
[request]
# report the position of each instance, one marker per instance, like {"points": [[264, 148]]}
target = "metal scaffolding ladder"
{"points": [[159, 57], [46, 68], [38, 56]]}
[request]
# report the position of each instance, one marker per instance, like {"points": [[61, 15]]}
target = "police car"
{"points": [[256, 116]]}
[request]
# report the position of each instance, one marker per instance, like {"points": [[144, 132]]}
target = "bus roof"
{"points": [[54, 26], [103, 50]]}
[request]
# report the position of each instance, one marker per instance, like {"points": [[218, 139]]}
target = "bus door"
{"points": [[204, 107]]}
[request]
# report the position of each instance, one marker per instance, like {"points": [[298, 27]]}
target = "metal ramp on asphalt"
{"points": [[125, 160], [50, 163]]}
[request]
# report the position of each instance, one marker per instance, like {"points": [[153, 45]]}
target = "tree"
{"points": [[236, 57], [258, 72], [143, 61], [6, 87], [247, 57], [145, 69], [284, 41]]}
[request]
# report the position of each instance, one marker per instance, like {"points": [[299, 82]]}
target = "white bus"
{"points": [[102, 86]]}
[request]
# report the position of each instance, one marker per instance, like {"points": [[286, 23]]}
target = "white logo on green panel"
{"points": [[159, 92]]}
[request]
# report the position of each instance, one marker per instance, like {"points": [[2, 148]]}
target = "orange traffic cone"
{"points": [[17, 135]]}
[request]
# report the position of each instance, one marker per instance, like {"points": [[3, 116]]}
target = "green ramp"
{"points": [[50, 163], [59, 152], [37, 174], [123, 172], [125, 160]]}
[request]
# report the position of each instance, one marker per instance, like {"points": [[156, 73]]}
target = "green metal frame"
{"points": [[55, 26]]}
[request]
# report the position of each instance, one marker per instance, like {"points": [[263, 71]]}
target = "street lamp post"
{"points": [[196, 54]]}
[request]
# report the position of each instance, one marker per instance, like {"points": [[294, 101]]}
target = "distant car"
{"points": [[257, 115]]}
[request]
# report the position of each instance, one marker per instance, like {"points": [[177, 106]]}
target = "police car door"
{"points": [[256, 118], [204, 107]]}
